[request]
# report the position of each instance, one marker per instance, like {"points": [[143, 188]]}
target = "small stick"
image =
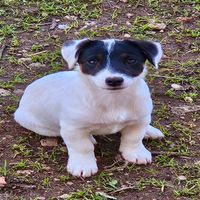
{"points": [[38, 53], [167, 57], [137, 4], [156, 153], [2, 49], [122, 189]]}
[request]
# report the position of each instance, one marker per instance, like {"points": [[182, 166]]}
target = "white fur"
{"points": [[74, 106]]}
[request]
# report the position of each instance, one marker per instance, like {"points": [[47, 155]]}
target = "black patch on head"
{"points": [[149, 49], [92, 56], [127, 58]]}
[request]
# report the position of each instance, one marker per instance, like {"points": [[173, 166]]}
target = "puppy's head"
{"points": [[111, 64]]}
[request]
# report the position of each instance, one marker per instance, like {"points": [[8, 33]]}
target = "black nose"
{"points": [[114, 81]]}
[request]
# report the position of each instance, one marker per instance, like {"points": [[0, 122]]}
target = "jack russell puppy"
{"points": [[106, 93]]}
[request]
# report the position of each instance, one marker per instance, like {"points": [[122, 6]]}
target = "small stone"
{"points": [[70, 183], [127, 35], [128, 23], [63, 26], [45, 15], [188, 99], [197, 162], [182, 178], [129, 15], [124, 1]]}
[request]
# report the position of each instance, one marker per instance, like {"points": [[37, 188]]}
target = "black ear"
{"points": [[152, 50], [70, 51]]}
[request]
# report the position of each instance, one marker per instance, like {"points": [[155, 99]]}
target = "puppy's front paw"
{"points": [[139, 155], [153, 132], [82, 168]]}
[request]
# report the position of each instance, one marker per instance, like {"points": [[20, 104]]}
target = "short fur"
{"points": [[106, 94]]}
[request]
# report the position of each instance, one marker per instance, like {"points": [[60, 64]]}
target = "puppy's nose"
{"points": [[114, 81]]}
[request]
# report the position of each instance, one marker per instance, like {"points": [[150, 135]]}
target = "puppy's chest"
{"points": [[111, 122]]}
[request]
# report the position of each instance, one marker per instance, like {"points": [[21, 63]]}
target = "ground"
{"points": [[31, 35]]}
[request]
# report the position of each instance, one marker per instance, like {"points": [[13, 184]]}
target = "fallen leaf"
{"points": [[64, 196], [37, 64], [24, 172], [53, 24], [105, 195], [177, 87], [157, 26], [25, 60], [49, 142], [183, 19], [72, 17], [18, 91], [4, 92], [181, 110], [182, 178], [2, 181], [88, 25]]}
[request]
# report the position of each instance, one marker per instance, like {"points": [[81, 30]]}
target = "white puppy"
{"points": [[106, 94]]}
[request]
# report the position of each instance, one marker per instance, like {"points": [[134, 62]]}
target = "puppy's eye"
{"points": [[92, 62], [131, 61]]}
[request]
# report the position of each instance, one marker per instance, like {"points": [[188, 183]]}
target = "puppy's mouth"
{"points": [[114, 88]]}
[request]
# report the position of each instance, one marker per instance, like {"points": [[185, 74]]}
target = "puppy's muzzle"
{"points": [[114, 82]]}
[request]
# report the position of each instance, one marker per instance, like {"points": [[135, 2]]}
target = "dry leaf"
{"points": [[53, 24], [157, 26], [177, 87], [2, 181], [4, 92], [49, 142]]}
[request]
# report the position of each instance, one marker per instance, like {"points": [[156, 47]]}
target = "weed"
{"points": [[3, 170]]}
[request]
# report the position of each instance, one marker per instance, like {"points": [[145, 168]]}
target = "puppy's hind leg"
{"points": [[26, 120], [81, 161], [153, 133]]}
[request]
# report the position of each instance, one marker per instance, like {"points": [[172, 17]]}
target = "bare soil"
{"points": [[29, 29]]}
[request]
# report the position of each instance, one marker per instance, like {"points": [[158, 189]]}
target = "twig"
{"points": [[125, 188], [2, 49], [38, 53], [136, 4], [167, 57], [156, 153]]}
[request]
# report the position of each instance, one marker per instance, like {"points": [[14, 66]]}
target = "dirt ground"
{"points": [[31, 35]]}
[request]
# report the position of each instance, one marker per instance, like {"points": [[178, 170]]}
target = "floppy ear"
{"points": [[69, 51], [152, 50]]}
